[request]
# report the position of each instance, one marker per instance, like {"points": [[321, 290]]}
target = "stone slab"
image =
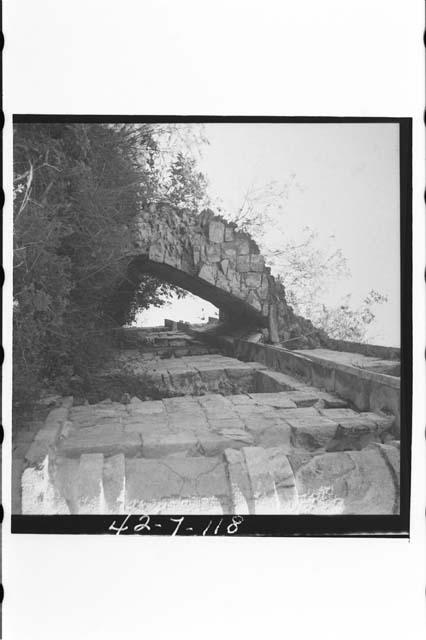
{"points": [[114, 483], [90, 497], [278, 400], [107, 441], [356, 482], [159, 445], [312, 433], [265, 497], [239, 482], [177, 486], [285, 483]]}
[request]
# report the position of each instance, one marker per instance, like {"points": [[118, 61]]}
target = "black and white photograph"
{"points": [[213, 320], [207, 319]]}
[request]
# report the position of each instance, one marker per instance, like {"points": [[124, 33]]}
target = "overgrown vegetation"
{"points": [[77, 188]]}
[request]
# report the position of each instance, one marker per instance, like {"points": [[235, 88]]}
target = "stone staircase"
{"points": [[209, 434]]}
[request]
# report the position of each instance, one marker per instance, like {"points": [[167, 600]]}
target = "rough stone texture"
{"points": [[177, 486], [348, 483], [263, 487], [90, 493], [239, 481], [206, 255], [233, 437], [114, 483]]}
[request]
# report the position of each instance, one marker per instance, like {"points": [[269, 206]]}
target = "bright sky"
{"points": [[347, 185]]}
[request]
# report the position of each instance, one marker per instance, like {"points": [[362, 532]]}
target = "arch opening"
{"points": [[230, 308]]}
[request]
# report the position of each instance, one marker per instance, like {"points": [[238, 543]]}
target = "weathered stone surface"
{"points": [[90, 495], [39, 494], [270, 381], [356, 482], [311, 433], [177, 485], [253, 280], [114, 483], [338, 414], [213, 253], [278, 434], [253, 300], [216, 231], [243, 263], [239, 482], [208, 273], [159, 445], [284, 479], [265, 497], [242, 246], [229, 234], [257, 262], [278, 400], [258, 450], [106, 440]]}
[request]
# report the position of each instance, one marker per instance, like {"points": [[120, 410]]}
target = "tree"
{"points": [[307, 267], [77, 188]]}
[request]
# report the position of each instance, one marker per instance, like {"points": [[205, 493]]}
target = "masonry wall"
{"points": [[214, 259]]}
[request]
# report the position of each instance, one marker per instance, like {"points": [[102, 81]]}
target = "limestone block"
{"points": [[329, 400], [338, 414], [263, 291], [172, 259], [356, 482], [114, 483], [213, 253], [107, 440], [196, 256], [213, 444], [229, 252], [284, 479], [222, 281], [383, 421], [257, 262], [146, 424], [278, 400], [160, 445], [90, 496], [264, 492], [234, 282], [156, 252], [148, 407], [253, 279], [224, 264], [208, 273], [177, 485], [253, 300], [270, 381], [216, 231], [276, 434], [243, 263], [311, 432], [303, 398], [242, 246], [39, 496], [229, 234], [240, 488]]}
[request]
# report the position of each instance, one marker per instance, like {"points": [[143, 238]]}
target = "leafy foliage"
{"points": [[307, 268], [77, 188]]}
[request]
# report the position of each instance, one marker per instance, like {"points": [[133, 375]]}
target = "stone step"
{"points": [[209, 424], [252, 480]]}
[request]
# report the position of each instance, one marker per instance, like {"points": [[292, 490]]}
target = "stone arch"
{"points": [[210, 257]]}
